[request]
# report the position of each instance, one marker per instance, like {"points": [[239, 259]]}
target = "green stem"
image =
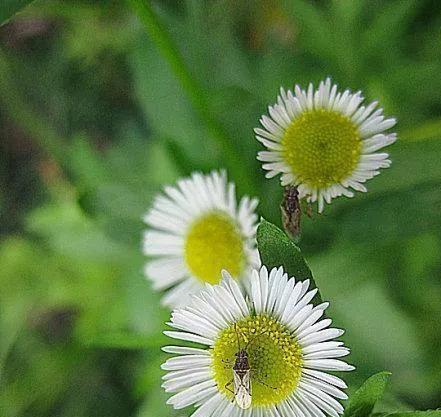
{"points": [[427, 130], [171, 54]]}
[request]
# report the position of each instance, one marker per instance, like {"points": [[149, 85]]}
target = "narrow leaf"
{"points": [[363, 401], [9, 8], [277, 249]]}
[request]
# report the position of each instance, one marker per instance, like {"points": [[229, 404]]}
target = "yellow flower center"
{"points": [[322, 147], [274, 356], [213, 243]]}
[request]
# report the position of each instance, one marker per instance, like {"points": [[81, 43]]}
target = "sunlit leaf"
{"points": [[363, 401], [277, 249]]}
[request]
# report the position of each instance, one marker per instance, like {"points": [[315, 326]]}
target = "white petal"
{"points": [[180, 350], [172, 214], [330, 379], [327, 365], [184, 362], [189, 337]]}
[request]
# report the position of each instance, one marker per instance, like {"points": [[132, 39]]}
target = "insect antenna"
{"points": [[237, 337], [254, 338]]}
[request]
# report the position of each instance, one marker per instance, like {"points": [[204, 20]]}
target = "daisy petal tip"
{"points": [[226, 275]]}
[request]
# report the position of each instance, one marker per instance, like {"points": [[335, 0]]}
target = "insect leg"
{"points": [[227, 387], [260, 381], [227, 366], [309, 210], [264, 383]]}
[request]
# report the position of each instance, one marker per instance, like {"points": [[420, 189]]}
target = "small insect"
{"points": [[242, 380], [291, 211], [242, 374]]}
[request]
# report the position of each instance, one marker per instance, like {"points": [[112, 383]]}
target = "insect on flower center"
{"points": [[213, 243], [322, 147], [274, 356]]}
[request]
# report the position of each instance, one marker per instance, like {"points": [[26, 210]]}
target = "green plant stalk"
{"points": [[172, 56], [427, 130]]}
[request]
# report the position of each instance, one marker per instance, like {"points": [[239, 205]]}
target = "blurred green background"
{"points": [[94, 120]]}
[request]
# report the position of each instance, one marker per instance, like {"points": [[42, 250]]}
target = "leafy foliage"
{"points": [[362, 402], [9, 8], [94, 122], [277, 249], [428, 413]]}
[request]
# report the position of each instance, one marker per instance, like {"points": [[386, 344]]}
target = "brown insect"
{"points": [[242, 380], [291, 211], [242, 373]]}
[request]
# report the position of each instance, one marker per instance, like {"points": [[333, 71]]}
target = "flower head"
{"points": [[196, 230], [289, 349], [324, 142]]}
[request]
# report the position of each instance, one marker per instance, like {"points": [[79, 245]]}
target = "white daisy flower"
{"points": [[324, 142], [288, 345], [198, 229]]}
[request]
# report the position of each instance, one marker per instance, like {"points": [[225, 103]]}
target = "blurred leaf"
{"points": [[317, 33], [123, 341], [427, 413], [389, 25], [366, 309], [277, 249], [70, 233], [71, 67], [8, 8], [428, 130], [348, 12], [12, 319], [116, 200], [86, 164], [413, 163], [363, 401], [190, 97], [168, 110], [394, 215], [181, 160]]}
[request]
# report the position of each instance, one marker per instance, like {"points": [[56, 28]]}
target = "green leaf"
{"points": [[389, 25], [123, 341], [317, 32], [391, 211], [363, 401], [9, 8], [277, 249], [427, 413], [427, 130]]}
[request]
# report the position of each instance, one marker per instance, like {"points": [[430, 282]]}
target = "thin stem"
{"points": [[171, 54]]}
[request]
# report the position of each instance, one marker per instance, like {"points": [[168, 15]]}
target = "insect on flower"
{"points": [[324, 142], [267, 351], [242, 380], [242, 373], [291, 211]]}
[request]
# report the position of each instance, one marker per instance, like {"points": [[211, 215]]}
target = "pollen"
{"points": [[213, 243], [274, 355], [322, 147]]}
